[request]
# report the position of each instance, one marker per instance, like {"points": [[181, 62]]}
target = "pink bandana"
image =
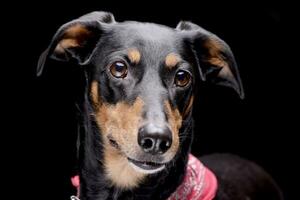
{"points": [[199, 183], [76, 183]]}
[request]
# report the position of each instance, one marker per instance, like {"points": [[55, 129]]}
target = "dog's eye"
{"points": [[119, 69], [182, 78]]}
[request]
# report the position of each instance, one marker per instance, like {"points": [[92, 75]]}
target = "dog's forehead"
{"points": [[147, 37], [148, 31]]}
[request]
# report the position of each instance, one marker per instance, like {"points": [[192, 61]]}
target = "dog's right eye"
{"points": [[119, 69], [182, 78]]}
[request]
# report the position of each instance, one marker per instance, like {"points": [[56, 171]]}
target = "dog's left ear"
{"points": [[215, 59], [76, 40]]}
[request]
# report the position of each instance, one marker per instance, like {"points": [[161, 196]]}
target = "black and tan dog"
{"points": [[141, 81]]}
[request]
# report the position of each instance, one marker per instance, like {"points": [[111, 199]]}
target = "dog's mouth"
{"points": [[145, 167]]}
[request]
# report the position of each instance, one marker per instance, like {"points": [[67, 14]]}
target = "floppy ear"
{"points": [[76, 39], [215, 59]]}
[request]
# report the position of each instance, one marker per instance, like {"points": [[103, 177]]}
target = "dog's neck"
{"points": [[94, 186]]}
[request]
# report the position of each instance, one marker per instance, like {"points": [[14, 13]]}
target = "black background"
{"points": [[42, 122]]}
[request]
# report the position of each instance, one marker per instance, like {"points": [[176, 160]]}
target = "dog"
{"points": [[141, 81]]}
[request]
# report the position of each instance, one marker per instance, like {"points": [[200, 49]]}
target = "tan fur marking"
{"points": [[121, 122], [73, 37], [188, 107], [76, 30], [118, 170], [171, 60], [64, 44], [95, 94], [123, 115], [134, 56], [175, 122], [214, 53], [215, 57]]}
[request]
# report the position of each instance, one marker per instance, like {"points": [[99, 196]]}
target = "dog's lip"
{"points": [[145, 164]]}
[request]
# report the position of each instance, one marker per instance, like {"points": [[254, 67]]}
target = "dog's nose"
{"points": [[154, 140]]}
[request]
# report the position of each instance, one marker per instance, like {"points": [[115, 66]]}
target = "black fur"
{"points": [[241, 179], [238, 178]]}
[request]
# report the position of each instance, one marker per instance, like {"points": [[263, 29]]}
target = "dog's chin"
{"points": [[146, 167]]}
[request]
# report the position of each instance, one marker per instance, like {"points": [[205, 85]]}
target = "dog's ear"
{"points": [[215, 59], [76, 39]]}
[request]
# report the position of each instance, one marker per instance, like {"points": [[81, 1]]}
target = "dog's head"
{"points": [[142, 81]]}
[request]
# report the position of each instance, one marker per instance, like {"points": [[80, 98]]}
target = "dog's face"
{"points": [[141, 88], [141, 85]]}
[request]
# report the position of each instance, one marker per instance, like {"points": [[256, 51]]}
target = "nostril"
{"points": [[147, 143], [164, 146]]}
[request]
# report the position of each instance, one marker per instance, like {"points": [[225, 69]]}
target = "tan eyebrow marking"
{"points": [[134, 56], [172, 60]]}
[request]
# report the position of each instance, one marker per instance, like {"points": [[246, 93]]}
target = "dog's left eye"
{"points": [[182, 78], [119, 69]]}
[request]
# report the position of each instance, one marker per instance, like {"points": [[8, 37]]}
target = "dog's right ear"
{"points": [[76, 39]]}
